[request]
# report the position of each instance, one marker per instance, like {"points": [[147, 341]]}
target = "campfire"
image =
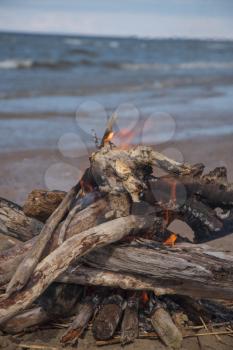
{"points": [[102, 256]]}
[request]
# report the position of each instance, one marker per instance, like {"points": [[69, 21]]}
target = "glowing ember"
{"points": [[144, 297], [171, 240]]}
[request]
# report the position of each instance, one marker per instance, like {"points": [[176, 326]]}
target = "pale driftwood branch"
{"points": [[51, 267], [96, 277], [14, 223], [26, 267]]}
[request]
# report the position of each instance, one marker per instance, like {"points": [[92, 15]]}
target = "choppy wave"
{"points": [[73, 41], [28, 63], [14, 64], [185, 65]]}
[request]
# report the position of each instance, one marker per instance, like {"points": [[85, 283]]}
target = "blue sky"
{"points": [[145, 18]]}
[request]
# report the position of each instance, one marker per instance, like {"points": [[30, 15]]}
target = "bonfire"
{"points": [[102, 256]]}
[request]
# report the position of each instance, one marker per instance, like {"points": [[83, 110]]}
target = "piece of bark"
{"points": [[85, 312], [14, 223], [129, 326], [107, 319], [28, 264], [51, 267], [195, 270], [165, 328], [40, 204]]}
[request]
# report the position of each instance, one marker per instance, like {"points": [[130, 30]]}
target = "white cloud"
{"points": [[108, 23]]}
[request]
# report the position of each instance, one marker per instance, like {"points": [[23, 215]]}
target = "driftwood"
{"points": [[27, 266], [195, 270], [85, 312], [165, 328], [40, 204], [14, 223], [129, 326], [59, 260], [58, 301], [107, 320], [93, 215]]}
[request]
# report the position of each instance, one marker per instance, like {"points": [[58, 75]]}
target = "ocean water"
{"points": [[51, 86]]}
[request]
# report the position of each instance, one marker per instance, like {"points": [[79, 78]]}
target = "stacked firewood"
{"points": [[103, 253]]}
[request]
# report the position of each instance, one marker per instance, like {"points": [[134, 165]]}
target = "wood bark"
{"points": [[14, 223], [30, 261], [58, 300], [40, 204], [195, 270], [165, 328], [107, 320], [85, 312], [61, 258], [130, 323]]}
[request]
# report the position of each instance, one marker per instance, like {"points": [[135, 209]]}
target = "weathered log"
{"points": [[57, 301], [129, 326], [165, 327], [14, 223], [195, 270], [61, 258], [85, 312], [95, 277], [29, 318], [107, 320], [40, 204], [28, 264]]}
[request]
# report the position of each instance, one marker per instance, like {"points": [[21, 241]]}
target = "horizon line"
{"points": [[115, 36]]}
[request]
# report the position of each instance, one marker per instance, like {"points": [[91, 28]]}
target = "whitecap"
{"points": [[17, 63]]}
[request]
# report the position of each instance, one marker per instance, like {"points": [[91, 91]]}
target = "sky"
{"points": [[144, 18]]}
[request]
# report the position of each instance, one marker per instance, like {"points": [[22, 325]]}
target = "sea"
{"points": [[59, 91]]}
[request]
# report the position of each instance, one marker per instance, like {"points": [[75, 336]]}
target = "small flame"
{"points": [[108, 137], [144, 297], [170, 241]]}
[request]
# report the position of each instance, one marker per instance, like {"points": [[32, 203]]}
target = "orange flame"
{"points": [[108, 137], [144, 297], [170, 241]]}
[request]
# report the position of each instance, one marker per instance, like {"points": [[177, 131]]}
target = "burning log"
{"points": [[107, 320]]}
